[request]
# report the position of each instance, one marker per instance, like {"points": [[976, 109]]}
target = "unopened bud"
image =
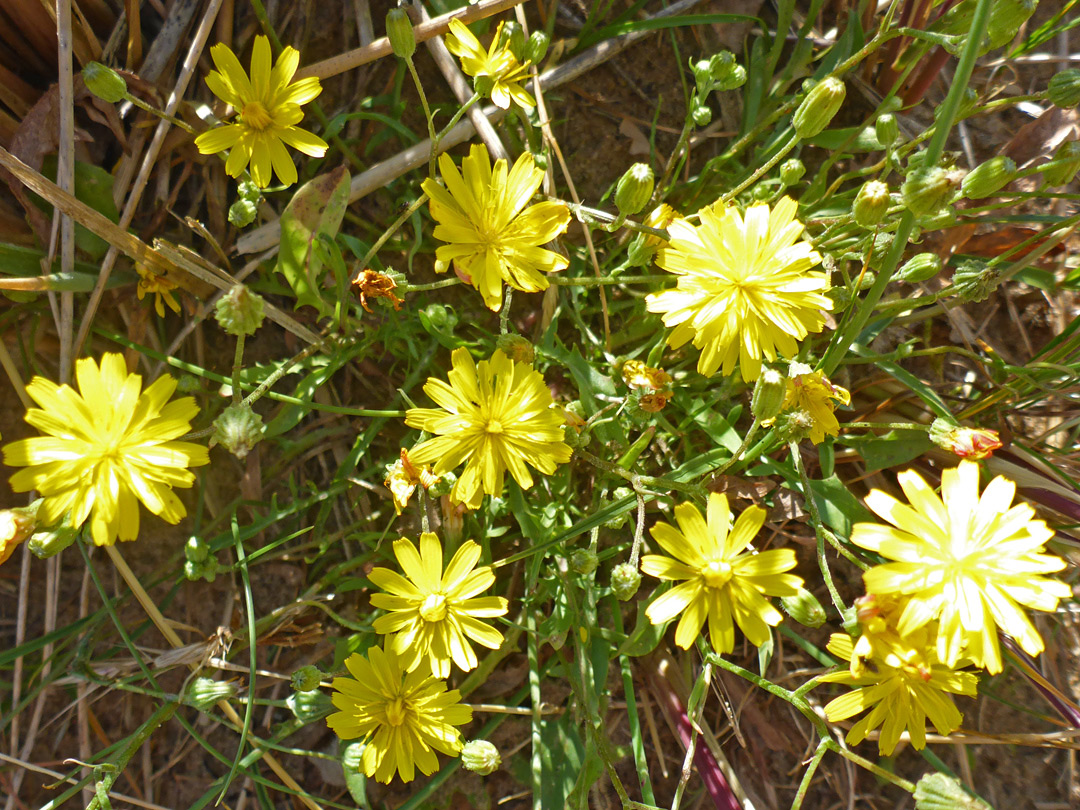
{"points": [[920, 267], [242, 213], [207, 569], [871, 203], [625, 580], [926, 191], [583, 561], [238, 429], [988, 178], [639, 253], [702, 115], [886, 129], [537, 48], [47, 543], [516, 348], [726, 73], [203, 693], [768, 396], [240, 311], [974, 281], [634, 189], [964, 442], [792, 171], [307, 678], [804, 608], [512, 35], [104, 82], [307, 707], [443, 485], [1064, 89], [819, 107], [196, 549], [480, 756], [399, 31], [1064, 166], [702, 71]]}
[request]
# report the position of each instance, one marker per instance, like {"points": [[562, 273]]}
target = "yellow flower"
{"points": [[812, 393], [721, 582], [971, 562], [497, 66], [403, 717], [109, 447], [150, 283], [402, 477], [433, 614], [638, 375], [494, 417], [744, 290], [491, 237], [269, 108], [16, 525], [902, 690]]}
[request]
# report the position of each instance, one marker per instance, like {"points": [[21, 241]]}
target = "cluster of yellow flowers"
{"points": [[960, 567]]}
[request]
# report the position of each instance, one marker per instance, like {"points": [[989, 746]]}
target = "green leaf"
{"points": [[561, 756], [645, 637], [838, 507], [355, 780], [894, 448], [315, 210]]}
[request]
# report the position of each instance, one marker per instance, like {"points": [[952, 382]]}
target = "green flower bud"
{"points": [[792, 171], [819, 107], [1064, 90], [1006, 17], [871, 203], [974, 281], [639, 253], [886, 129], [634, 189], [306, 679], [794, 425], [48, 543], [625, 580], [936, 791], [702, 71], [196, 549], [238, 429], [513, 36], [988, 178], [399, 31], [761, 192], [804, 608], [926, 191], [443, 484], [702, 115], [725, 72], [516, 348], [583, 561], [1064, 166], [768, 396], [480, 756], [307, 707], [242, 213], [203, 693], [104, 82], [920, 267], [207, 569], [537, 48], [240, 311]]}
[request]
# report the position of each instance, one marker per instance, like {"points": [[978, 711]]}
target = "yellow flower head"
{"points": [[16, 525], [812, 393], [402, 477], [403, 717], [745, 290], [269, 109], [971, 562], [723, 581], [497, 67], [433, 614], [491, 237], [493, 417], [109, 447], [902, 691], [638, 375], [150, 283]]}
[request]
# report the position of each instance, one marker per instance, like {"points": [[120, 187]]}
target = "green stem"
{"points": [[427, 115], [142, 105], [238, 361], [754, 426], [808, 775], [762, 170], [382, 240], [640, 480], [885, 426], [160, 715]]}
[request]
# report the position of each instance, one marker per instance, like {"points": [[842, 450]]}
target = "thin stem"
{"points": [[382, 240], [819, 530], [640, 480], [504, 311], [808, 775], [176, 122], [238, 362], [427, 115], [885, 426], [764, 169], [754, 426]]}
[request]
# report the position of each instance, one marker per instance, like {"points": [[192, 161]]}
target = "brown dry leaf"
{"points": [[639, 144], [1039, 138], [741, 489], [787, 505]]}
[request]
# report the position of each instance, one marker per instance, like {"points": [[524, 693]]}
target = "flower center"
{"points": [[255, 115], [433, 608], [494, 426], [395, 711], [716, 573]]}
